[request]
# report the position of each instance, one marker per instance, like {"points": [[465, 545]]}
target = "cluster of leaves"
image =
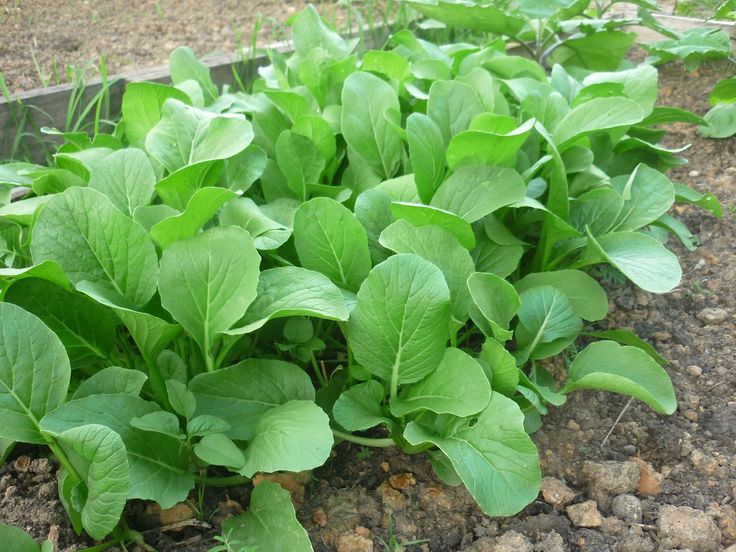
{"points": [[414, 225]]}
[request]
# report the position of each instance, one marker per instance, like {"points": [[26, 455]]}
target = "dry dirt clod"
{"points": [[551, 542], [556, 493], [512, 541], [292, 482], [634, 544], [402, 481], [650, 480], [712, 316], [726, 519], [627, 507], [392, 498], [354, 542], [585, 514], [608, 479], [319, 516], [685, 527]]}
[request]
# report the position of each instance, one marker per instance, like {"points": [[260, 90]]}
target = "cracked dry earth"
{"points": [[656, 483]]}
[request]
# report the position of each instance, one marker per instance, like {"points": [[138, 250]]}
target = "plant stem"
{"points": [[230, 481], [64, 460], [317, 371], [365, 441]]}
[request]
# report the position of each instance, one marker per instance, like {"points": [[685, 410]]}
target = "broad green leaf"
{"points": [[34, 374], [187, 135], [425, 215], [100, 457], [452, 105], [245, 168], [329, 239], [609, 366], [158, 464], [587, 298], [22, 212], [368, 108], [373, 210], [478, 147], [470, 15], [596, 210], [219, 450], [600, 51], [474, 192], [441, 249], [141, 106], [110, 380], [639, 84], [627, 337], [199, 426], [665, 114], [208, 281], [359, 407], [202, 206], [594, 116], [50, 271], [547, 322], [318, 130], [16, 539], [265, 231], [242, 393], [721, 121], [641, 258], [648, 194], [177, 188], [501, 365], [706, 201], [270, 522], [301, 162], [399, 327], [495, 303], [310, 33], [292, 291], [427, 154], [182, 400], [293, 103], [149, 215], [497, 462], [692, 47], [184, 66], [387, 63], [500, 260], [295, 436], [162, 422], [86, 328], [84, 232], [126, 177], [458, 386], [723, 92]]}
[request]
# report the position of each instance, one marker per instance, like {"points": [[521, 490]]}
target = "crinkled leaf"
{"points": [[359, 407]]}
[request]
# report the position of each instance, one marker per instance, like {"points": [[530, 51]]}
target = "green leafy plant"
{"points": [[414, 226]]}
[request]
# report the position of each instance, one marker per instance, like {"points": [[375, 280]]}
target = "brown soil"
{"points": [[361, 499], [37, 43]]}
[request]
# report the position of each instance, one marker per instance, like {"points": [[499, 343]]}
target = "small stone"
{"points": [[695, 371], [572, 424], [291, 481], [608, 479], [585, 514], [711, 316], [727, 522], [22, 463], [392, 498], [613, 526], [731, 548], [627, 507], [551, 542], [483, 544], [402, 480], [385, 466], [690, 415], [556, 493], [634, 544], [354, 542], [685, 527], [319, 516], [693, 174], [512, 541]]}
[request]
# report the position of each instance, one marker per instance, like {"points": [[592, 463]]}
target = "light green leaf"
{"points": [[82, 231], [474, 192], [34, 374], [425, 215], [641, 258], [478, 147], [441, 249], [208, 281], [500, 260], [452, 105], [547, 323], [470, 15], [603, 50], [266, 232], [373, 210], [648, 194], [199, 426], [126, 177], [594, 116], [497, 462], [587, 298], [427, 154], [112, 379], [301, 162], [502, 366], [22, 212], [182, 400], [495, 303], [609, 366], [219, 450], [17, 540], [270, 522], [329, 239], [627, 337], [310, 33], [141, 106], [184, 66], [359, 407], [458, 386], [187, 135], [639, 84], [721, 121], [50, 271], [399, 327], [158, 464], [161, 422], [596, 210], [369, 105], [242, 393], [292, 291], [706, 201], [177, 188], [202, 206], [295, 436]]}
